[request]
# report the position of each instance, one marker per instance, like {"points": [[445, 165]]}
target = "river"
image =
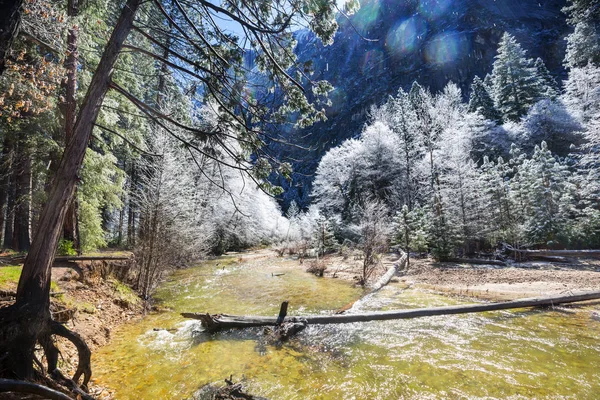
{"points": [[515, 354]]}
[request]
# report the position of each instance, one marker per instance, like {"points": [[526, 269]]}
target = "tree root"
{"points": [[15, 386], [41, 329], [84, 367]]}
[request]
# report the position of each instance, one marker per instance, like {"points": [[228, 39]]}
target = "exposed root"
{"points": [[84, 366], [10, 385], [21, 326]]}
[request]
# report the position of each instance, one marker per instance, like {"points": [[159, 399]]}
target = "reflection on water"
{"points": [[502, 354]]}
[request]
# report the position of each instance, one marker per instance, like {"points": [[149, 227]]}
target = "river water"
{"points": [[514, 354]]}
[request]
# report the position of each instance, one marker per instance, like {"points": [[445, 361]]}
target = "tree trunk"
{"points": [[131, 208], [5, 162], [22, 178], [70, 108], [28, 320], [10, 212]]}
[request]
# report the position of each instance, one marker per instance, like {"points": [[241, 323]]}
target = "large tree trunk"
{"points": [[28, 320], [10, 18], [71, 221]]}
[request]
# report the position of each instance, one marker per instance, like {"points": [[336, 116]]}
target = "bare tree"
{"points": [[375, 231]]}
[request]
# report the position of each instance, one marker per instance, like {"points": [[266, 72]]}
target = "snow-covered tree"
{"points": [[480, 101], [548, 194], [583, 46], [375, 230], [514, 80], [548, 88], [402, 119], [411, 229], [550, 122]]}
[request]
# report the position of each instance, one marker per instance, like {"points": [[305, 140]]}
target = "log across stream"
{"points": [[216, 322]]}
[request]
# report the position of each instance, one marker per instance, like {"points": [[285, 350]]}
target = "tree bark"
{"points": [[24, 323], [10, 212], [70, 109], [5, 162], [22, 178]]}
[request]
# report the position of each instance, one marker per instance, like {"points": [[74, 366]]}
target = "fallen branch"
{"points": [[224, 321]]}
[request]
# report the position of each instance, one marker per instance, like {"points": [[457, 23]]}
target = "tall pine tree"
{"points": [[515, 83]]}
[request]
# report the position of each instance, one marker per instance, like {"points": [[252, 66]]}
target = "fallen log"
{"points": [[479, 261], [21, 259], [387, 277], [556, 253], [218, 322]]}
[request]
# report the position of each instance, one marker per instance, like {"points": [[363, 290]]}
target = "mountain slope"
{"points": [[431, 41]]}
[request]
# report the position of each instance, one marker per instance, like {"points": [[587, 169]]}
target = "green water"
{"points": [[542, 354]]}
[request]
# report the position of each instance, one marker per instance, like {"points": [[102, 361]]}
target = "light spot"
{"points": [[446, 48], [406, 36]]}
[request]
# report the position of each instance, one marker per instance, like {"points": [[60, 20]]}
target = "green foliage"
{"points": [[65, 248], [124, 294], [324, 238], [411, 229], [100, 189]]}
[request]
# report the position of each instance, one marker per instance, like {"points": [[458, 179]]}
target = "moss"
{"points": [[124, 294], [70, 303]]}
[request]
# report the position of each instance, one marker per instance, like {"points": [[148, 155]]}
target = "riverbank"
{"points": [[87, 299], [486, 282], [489, 282]]}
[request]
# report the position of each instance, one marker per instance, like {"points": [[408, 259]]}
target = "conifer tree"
{"points": [[324, 238], [411, 229], [583, 46], [515, 83], [548, 86], [548, 196], [480, 101]]}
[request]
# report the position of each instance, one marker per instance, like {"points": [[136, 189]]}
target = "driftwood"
{"points": [[217, 322]]}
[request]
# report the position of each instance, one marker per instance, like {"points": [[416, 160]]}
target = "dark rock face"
{"points": [[431, 41]]}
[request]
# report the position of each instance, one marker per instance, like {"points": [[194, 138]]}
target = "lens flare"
{"points": [[433, 9], [339, 101], [405, 36], [367, 15], [372, 63], [446, 48]]}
